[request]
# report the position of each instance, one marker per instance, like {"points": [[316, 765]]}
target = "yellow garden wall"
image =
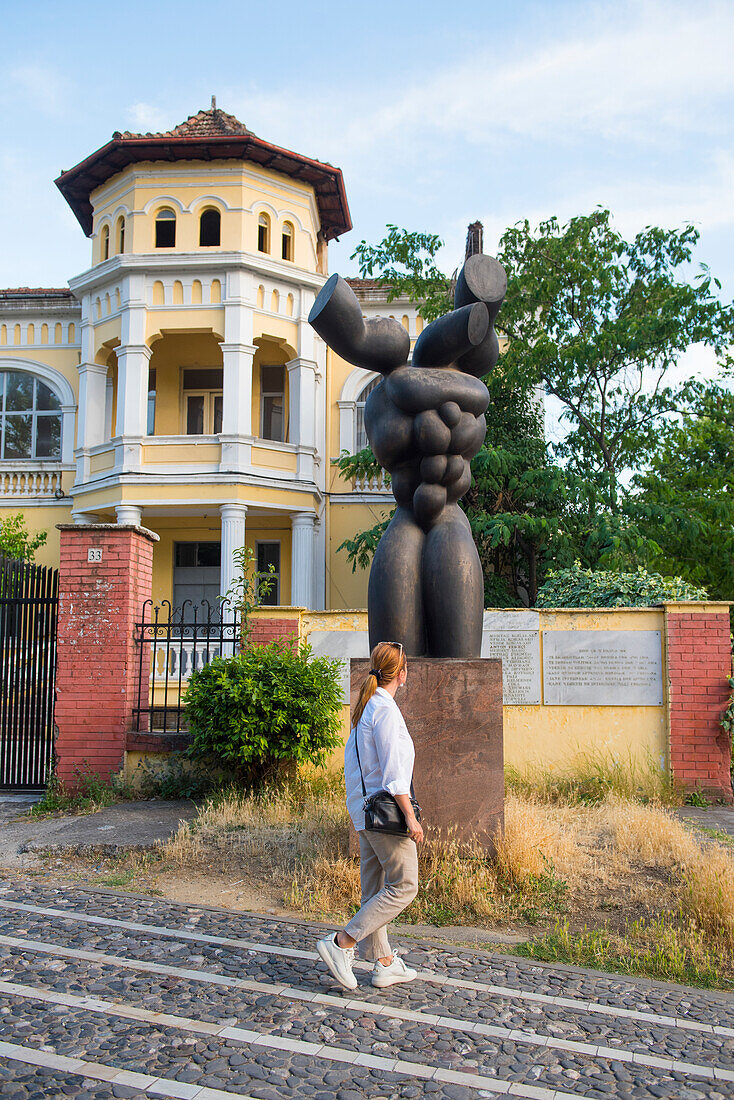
{"points": [[553, 735]]}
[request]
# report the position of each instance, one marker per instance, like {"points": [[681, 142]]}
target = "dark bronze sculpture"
{"points": [[425, 423]]}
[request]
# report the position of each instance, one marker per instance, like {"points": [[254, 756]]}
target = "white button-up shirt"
{"points": [[386, 751]]}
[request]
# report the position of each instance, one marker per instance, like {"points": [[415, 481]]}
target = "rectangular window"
{"points": [[202, 400], [268, 573], [196, 578], [272, 403]]}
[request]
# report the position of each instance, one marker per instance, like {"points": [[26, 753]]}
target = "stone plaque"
{"points": [[343, 644], [514, 637], [519, 651], [621, 668]]}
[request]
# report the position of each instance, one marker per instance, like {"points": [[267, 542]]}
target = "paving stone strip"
{"points": [[251, 946], [136, 1086], [233, 997], [468, 964], [148, 1044], [433, 1037], [714, 1051]]}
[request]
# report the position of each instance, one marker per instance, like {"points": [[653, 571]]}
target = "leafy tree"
{"points": [[598, 321], [15, 539], [685, 499], [405, 264]]}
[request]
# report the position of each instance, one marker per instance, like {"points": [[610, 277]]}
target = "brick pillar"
{"points": [[699, 665], [100, 601]]}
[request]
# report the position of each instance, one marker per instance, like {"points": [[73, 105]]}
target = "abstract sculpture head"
{"points": [[425, 422]]}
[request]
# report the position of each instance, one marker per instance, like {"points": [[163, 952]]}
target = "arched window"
{"points": [[165, 228], [215, 292], [31, 335], [105, 246], [210, 228], [57, 332], [159, 293], [263, 233], [286, 249], [178, 293], [360, 435], [120, 234], [44, 333], [30, 417], [196, 293], [72, 333]]}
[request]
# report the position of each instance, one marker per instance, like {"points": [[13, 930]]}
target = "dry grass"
{"points": [[591, 777], [635, 887]]}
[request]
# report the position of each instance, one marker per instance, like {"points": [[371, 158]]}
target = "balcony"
{"points": [[35, 481]]}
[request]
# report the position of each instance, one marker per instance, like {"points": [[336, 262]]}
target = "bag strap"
{"points": [[359, 762]]}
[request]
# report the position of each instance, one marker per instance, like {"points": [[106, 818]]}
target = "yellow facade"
{"points": [[195, 398]]}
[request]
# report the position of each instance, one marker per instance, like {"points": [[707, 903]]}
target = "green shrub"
{"points": [[577, 587], [264, 710]]}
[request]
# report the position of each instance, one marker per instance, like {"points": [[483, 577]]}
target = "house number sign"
{"points": [[94, 553]]}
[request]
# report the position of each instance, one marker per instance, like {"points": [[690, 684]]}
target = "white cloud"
{"points": [[633, 72], [146, 118], [31, 87]]}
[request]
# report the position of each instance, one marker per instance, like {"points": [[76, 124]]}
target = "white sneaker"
{"points": [[397, 971], [338, 959]]}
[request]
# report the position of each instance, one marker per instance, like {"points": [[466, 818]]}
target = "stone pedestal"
{"points": [[453, 709]]}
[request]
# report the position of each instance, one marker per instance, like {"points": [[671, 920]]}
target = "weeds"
{"points": [[664, 947], [89, 793]]}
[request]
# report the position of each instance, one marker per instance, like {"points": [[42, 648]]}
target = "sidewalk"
{"points": [[128, 826]]}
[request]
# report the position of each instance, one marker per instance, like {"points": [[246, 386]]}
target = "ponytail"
{"points": [[387, 660]]}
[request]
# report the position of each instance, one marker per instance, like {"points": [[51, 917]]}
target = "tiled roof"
{"points": [[211, 123], [35, 292], [208, 135]]}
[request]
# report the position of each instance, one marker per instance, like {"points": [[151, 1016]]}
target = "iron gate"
{"points": [[172, 643], [29, 601]]}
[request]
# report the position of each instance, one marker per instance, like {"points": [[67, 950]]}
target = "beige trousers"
{"points": [[388, 868]]}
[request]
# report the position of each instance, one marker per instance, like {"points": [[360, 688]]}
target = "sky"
{"points": [[437, 114]]}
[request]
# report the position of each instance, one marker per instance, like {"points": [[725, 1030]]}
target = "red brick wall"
{"points": [[99, 604], [699, 664], [265, 631]]}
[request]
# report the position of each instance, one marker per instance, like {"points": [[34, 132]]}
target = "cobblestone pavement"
{"points": [[109, 995]]}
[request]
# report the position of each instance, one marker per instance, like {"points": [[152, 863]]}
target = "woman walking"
{"points": [[379, 756]]}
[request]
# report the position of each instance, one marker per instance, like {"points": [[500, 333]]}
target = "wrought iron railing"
{"points": [[172, 643]]}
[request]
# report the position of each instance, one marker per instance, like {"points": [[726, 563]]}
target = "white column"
{"points": [[302, 413], [83, 519], [233, 538], [92, 383], [302, 559], [129, 514], [238, 353], [132, 390]]}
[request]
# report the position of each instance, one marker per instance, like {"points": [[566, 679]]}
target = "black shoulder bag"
{"points": [[381, 812]]}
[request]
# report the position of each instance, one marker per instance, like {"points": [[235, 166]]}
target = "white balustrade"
{"points": [[375, 484], [29, 483]]}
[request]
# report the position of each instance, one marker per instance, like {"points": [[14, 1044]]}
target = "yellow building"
{"points": [[177, 383]]}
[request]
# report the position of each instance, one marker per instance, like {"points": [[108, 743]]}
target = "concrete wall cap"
{"points": [[84, 527]]}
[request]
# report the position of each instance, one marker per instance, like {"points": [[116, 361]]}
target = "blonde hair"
{"points": [[388, 661]]}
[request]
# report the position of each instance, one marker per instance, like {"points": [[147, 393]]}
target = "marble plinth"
{"points": [[453, 709]]}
